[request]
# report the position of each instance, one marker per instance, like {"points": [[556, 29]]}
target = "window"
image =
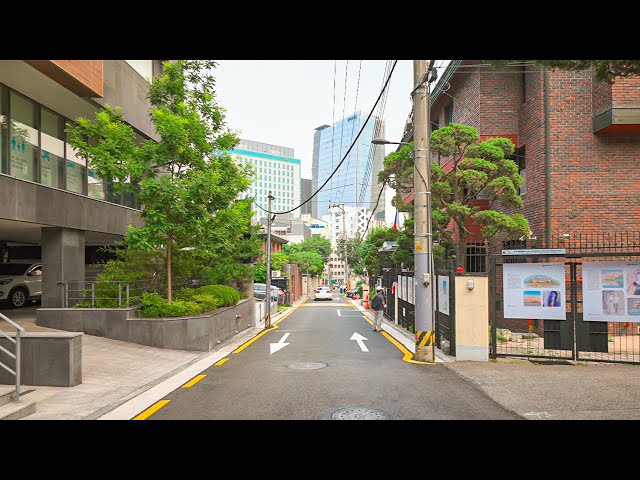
{"points": [[3, 130], [476, 257], [448, 113], [519, 158], [75, 171], [24, 137], [51, 148]]}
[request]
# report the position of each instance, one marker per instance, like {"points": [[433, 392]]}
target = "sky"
{"points": [[282, 102]]}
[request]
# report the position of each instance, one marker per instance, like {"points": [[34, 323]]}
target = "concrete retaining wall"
{"points": [[200, 333], [48, 358]]}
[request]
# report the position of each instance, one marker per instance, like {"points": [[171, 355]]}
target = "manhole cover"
{"points": [[306, 365], [359, 413]]}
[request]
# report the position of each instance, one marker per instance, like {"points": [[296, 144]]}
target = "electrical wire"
{"points": [[384, 88], [353, 126], [344, 107]]}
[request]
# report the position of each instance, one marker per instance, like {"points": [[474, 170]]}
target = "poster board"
{"points": [[611, 291], [443, 294], [534, 290]]}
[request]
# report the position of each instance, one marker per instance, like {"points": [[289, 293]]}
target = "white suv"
{"points": [[20, 282]]}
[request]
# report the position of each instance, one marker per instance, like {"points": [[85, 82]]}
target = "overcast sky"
{"points": [[281, 102]]}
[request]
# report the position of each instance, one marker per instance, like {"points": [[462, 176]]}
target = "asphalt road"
{"points": [[323, 361]]}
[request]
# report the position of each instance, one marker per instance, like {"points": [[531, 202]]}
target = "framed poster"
{"points": [[443, 294], [534, 290], [611, 291]]}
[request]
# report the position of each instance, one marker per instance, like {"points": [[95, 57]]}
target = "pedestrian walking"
{"points": [[377, 305]]}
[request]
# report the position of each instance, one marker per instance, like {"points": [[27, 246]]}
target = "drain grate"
{"points": [[359, 413], [306, 365]]}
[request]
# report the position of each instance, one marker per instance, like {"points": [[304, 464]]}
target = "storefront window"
{"points": [[24, 138], [96, 185], [76, 170], [52, 149], [3, 131]]}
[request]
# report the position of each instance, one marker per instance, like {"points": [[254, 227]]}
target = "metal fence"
{"points": [[115, 294], [573, 338]]}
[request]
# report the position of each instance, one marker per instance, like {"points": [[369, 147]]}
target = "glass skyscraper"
{"points": [[352, 183]]}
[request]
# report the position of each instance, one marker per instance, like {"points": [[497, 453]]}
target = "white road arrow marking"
{"points": [[274, 347], [359, 338], [339, 314]]}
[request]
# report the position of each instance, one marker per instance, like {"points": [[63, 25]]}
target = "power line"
{"points": [[353, 126], [344, 106], [384, 88]]}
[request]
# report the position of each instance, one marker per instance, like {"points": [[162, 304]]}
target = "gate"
{"points": [[406, 300], [389, 276], [445, 311], [607, 279]]}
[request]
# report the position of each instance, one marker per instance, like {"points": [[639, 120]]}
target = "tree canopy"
{"points": [[187, 183]]}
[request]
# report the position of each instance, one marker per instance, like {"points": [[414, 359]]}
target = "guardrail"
{"points": [[16, 354]]}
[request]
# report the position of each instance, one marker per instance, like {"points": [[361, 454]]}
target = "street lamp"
{"points": [[382, 141]]}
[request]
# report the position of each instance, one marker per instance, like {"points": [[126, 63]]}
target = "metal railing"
{"points": [[111, 293], [16, 355]]}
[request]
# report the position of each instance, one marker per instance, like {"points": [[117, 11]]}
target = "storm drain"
{"points": [[359, 413], [306, 365]]}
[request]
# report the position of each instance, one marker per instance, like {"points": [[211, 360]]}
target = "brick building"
{"points": [[577, 142]]}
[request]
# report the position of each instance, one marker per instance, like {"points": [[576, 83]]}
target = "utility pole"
{"points": [[267, 318], [425, 350], [346, 259]]}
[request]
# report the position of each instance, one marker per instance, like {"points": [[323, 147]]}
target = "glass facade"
{"points": [[33, 147], [52, 149], [24, 138], [330, 146]]}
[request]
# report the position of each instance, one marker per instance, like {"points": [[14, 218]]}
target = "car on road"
{"points": [[260, 292], [20, 283], [350, 293], [323, 293]]}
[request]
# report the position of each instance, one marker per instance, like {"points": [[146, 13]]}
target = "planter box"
{"points": [[201, 333]]}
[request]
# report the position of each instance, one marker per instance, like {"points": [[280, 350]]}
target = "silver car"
{"points": [[20, 283]]}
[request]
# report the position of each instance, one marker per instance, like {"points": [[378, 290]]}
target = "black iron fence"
{"points": [[596, 296]]}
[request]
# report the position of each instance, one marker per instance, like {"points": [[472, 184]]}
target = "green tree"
{"points": [[477, 167], [186, 179], [315, 243], [309, 262], [372, 259]]}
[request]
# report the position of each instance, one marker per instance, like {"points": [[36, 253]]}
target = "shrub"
{"points": [[153, 306], [206, 301], [228, 296]]}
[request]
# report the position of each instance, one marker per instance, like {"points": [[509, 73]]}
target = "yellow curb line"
{"points": [[193, 381], [408, 356], [151, 410]]}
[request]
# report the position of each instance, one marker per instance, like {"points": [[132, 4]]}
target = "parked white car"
{"points": [[20, 283], [323, 293]]}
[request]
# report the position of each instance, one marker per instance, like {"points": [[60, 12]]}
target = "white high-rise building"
{"points": [[276, 170]]}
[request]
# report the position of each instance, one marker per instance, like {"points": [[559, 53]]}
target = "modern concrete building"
{"points": [[343, 219], [51, 201], [306, 188], [355, 182], [276, 170]]}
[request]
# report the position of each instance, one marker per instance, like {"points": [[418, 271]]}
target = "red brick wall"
{"points": [[625, 93], [531, 136], [500, 101], [595, 179], [601, 95]]}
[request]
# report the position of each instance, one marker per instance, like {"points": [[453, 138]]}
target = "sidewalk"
{"points": [[120, 379]]}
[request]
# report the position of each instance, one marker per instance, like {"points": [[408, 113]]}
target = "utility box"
{"points": [[472, 317]]}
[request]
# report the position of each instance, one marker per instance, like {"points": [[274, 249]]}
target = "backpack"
{"points": [[376, 302]]}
